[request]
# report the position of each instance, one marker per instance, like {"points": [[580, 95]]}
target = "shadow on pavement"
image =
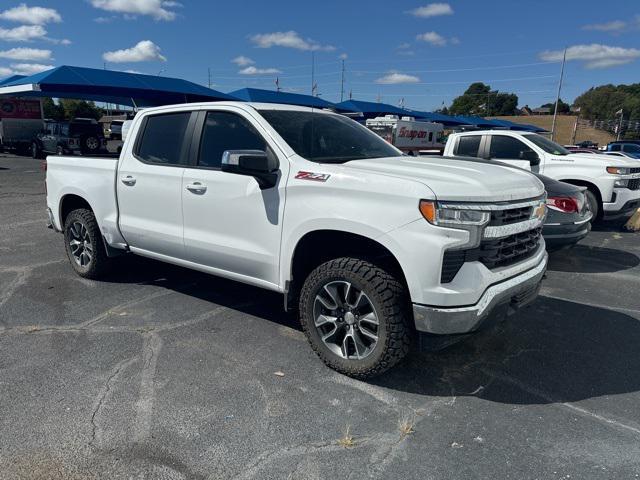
{"points": [[586, 259], [554, 351]]}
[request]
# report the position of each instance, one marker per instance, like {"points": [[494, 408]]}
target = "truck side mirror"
{"points": [[534, 159], [261, 165]]}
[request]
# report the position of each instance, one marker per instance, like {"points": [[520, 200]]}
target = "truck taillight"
{"points": [[563, 204]]}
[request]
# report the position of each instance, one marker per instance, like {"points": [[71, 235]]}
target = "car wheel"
{"points": [[355, 316], [594, 205], [84, 245], [91, 143]]}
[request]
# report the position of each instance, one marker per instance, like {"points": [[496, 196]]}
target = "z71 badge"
{"points": [[316, 177]]}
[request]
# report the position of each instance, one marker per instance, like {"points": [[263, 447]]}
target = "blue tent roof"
{"points": [[371, 109], [272, 96], [446, 120], [110, 86], [478, 121], [12, 78]]}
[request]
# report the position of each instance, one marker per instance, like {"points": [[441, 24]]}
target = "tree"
{"points": [[80, 109], [479, 99], [602, 103], [52, 110], [563, 108]]}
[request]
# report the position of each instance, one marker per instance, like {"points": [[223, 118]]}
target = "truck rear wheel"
{"points": [[355, 316], [84, 245]]}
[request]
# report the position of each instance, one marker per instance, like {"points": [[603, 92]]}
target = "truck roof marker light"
{"points": [[428, 210]]}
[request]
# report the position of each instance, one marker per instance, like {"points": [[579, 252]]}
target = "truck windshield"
{"points": [[547, 145], [327, 138]]}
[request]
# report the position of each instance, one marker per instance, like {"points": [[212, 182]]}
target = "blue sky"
{"points": [[424, 52]]}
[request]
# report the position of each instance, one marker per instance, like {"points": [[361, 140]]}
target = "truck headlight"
{"points": [[618, 170], [453, 218]]}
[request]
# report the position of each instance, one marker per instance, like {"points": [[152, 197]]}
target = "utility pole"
{"points": [[342, 83], [620, 124], [555, 110], [313, 73], [209, 77]]}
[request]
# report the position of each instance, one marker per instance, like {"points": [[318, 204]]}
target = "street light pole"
{"points": [[555, 110]]}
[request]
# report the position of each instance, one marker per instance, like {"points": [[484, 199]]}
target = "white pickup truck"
{"points": [[613, 183], [372, 246]]}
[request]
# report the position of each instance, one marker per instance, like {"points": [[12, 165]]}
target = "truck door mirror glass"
{"points": [[261, 165], [530, 155]]}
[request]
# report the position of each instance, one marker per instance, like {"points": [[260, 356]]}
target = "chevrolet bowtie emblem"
{"points": [[540, 211]]}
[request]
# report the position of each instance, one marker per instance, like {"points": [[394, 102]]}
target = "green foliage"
{"points": [[479, 99], [563, 108], [602, 103], [52, 110], [80, 109]]}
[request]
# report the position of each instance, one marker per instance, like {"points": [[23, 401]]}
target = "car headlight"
{"points": [[453, 218], [618, 170]]}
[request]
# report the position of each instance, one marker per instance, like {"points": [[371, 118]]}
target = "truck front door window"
{"points": [[162, 139], [226, 131], [468, 146]]}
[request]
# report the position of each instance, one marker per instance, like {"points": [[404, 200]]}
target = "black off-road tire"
{"points": [[100, 264], [390, 300]]}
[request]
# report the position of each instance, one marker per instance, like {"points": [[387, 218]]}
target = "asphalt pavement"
{"points": [[163, 373]]}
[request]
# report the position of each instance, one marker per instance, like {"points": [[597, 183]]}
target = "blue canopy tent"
{"points": [[371, 109], [478, 121], [446, 120], [272, 96], [109, 86], [12, 78]]}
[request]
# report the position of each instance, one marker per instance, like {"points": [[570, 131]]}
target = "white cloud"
{"points": [[24, 33], [104, 19], [613, 26], [395, 78], [156, 9], [242, 61], [30, 54], [432, 10], [29, 68], [31, 15], [144, 51], [5, 72], [288, 39], [343, 56], [594, 55], [432, 38], [258, 71]]}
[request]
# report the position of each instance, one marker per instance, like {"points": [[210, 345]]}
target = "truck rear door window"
{"points": [[504, 147], [226, 131], [468, 146], [162, 139]]}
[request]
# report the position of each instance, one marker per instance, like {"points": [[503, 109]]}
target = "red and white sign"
{"points": [[19, 108]]}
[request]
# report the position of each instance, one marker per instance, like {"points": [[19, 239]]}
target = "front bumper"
{"points": [[624, 203], [515, 292]]}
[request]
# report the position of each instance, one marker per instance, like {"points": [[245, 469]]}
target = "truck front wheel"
{"points": [[355, 316], [84, 245]]}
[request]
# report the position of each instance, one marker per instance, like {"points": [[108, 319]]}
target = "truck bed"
{"points": [[91, 178]]}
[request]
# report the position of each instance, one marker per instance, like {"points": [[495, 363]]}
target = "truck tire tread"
{"points": [[392, 298], [101, 264]]}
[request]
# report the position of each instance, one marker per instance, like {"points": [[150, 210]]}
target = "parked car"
{"points": [[115, 130], [587, 144], [81, 135], [629, 147], [574, 149], [372, 246], [613, 183]]}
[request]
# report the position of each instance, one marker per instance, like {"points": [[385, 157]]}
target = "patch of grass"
{"points": [[347, 440], [406, 426]]}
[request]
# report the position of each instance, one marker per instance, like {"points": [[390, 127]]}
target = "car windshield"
{"points": [[327, 138], [547, 145]]}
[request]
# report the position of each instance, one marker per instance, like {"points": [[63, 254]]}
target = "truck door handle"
{"points": [[197, 187], [128, 180]]}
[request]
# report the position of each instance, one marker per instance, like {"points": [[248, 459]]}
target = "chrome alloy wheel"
{"points": [[80, 244], [92, 143], [346, 320]]}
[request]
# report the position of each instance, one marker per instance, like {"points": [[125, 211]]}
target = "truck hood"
{"points": [[610, 160], [454, 179]]}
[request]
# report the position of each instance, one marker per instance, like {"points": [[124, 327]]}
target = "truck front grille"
{"points": [[492, 253], [507, 217], [634, 184]]}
